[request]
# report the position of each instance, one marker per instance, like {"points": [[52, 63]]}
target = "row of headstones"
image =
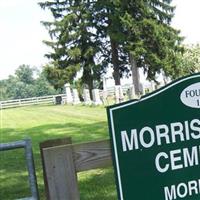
{"points": [[131, 93], [72, 96]]}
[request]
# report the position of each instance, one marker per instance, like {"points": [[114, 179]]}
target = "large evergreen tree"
{"points": [[92, 33], [75, 45], [140, 31], [153, 43]]}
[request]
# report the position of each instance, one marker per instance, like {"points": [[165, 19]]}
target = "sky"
{"points": [[21, 33]]}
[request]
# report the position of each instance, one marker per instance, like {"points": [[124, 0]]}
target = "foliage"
{"points": [[24, 85], [42, 87], [3, 91], [40, 123], [24, 73], [57, 77], [88, 34], [74, 46], [190, 60]]}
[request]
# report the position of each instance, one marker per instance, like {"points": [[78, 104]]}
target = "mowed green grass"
{"points": [[40, 123]]}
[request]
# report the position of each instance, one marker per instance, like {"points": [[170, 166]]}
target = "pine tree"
{"points": [[153, 43], [113, 38], [92, 33], [74, 43], [140, 31]]}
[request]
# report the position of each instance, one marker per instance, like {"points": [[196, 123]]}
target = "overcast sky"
{"points": [[21, 33]]}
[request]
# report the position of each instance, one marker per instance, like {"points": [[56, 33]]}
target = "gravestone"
{"points": [[104, 97], [156, 143], [152, 86], [68, 93], [58, 100], [161, 84], [96, 97], [142, 89], [76, 99], [119, 97], [131, 92], [86, 97]]}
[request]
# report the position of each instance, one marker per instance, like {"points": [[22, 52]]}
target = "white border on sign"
{"points": [[128, 104]]}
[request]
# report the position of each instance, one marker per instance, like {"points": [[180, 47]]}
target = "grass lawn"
{"points": [[47, 122]]}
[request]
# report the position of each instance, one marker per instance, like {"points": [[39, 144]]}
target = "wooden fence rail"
{"points": [[29, 101], [110, 92], [62, 160]]}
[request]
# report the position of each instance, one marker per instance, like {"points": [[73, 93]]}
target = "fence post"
{"points": [[60, 175]]}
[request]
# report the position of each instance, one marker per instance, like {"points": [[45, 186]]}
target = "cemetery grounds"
{"points": [[40, 123]]}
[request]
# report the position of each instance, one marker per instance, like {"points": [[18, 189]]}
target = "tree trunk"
{"points": [[135, 75], [88, 79], [90, 86], [115, 62]]}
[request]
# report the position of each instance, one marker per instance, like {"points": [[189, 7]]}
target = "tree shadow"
{"points": [[11, 166], [97, 185]]}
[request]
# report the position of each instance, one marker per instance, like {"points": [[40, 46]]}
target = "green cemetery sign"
{"points": [[156, 143]]}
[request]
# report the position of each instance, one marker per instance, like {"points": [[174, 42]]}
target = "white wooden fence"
{"points": [[29, 101], [99, 97]]}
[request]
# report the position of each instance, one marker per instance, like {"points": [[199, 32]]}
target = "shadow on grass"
{"points": [[95, 185], [99, 185], [77, 131]]}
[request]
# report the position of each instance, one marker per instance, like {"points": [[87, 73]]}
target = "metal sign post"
{"points": [[26, 144]]}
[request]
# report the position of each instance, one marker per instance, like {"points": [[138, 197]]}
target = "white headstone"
{"points": [[76, 99], [103, 96], [104, 84], [96, 97], [131, 92], [86, 97], [142, 89], [119, 96], [153, 86], [161, 84], [69, 98]]}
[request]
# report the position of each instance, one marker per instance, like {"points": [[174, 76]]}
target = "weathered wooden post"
{"points": [[59, 170], [63, 160]]}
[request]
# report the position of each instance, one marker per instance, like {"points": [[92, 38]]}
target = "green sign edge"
{"points": [[125, 104]]}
